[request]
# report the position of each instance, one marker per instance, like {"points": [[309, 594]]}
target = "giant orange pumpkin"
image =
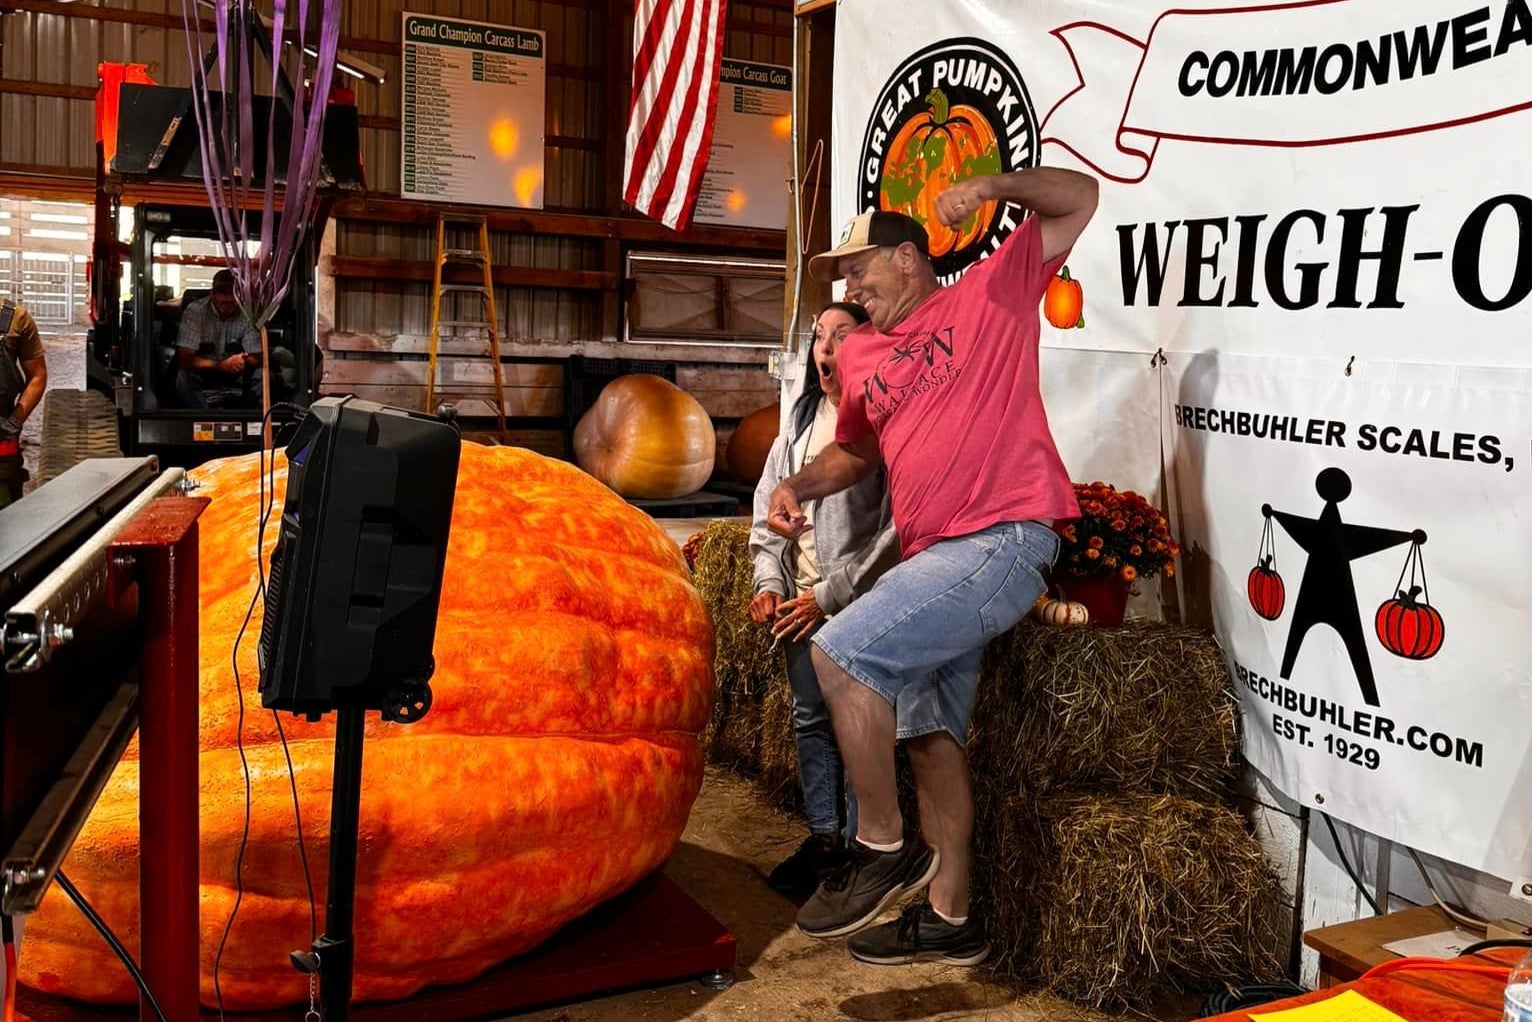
{"points": [[751, 442], [933, 151], [646, 437], [556, 767]]}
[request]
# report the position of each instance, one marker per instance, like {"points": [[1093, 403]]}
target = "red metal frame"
{"points": [[158, 551]]}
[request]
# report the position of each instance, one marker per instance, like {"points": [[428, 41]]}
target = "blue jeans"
{"points": [[917, 637], [820, 773]]}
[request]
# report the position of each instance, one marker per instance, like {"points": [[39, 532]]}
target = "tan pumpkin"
{"points": [[556, 767], [751, 443], [646, 438], [1062, 613]]}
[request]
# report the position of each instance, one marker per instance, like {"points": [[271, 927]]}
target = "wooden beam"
{"points": [[368, 268], [739, 24], [49, 184], [52, 90], [807, 7], [634, 229], [719, 355], [174, 22], [69, 184], [615, 92], [816, 42]]}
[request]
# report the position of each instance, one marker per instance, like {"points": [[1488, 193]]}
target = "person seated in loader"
{"points": [[218, 351]]}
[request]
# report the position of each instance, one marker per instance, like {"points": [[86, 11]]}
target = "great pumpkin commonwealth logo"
{"points": [[955, 110]]}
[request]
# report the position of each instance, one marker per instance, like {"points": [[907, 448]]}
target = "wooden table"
{"points": [[1346, 950]]}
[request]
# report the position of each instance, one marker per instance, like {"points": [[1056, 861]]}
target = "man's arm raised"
{"points": [[838, 467], [1063, 200]]}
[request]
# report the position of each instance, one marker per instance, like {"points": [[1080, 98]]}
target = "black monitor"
{"points": [[356, 576]]}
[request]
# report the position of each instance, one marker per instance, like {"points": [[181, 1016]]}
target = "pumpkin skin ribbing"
{"points": [[556, 767]]}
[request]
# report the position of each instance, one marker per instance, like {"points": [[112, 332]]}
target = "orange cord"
{"points": [[1500, 972], [10, 977]]}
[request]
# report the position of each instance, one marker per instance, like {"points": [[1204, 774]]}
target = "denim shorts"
{"points": [[916, 638]]}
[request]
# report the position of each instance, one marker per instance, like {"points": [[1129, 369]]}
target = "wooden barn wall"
{"points": [[559, 274]]}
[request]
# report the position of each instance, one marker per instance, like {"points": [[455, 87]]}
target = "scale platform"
{"points": [[653, 935]]}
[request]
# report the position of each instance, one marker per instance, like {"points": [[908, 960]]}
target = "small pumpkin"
{"points": [[934, 150], [1264, 588], [751, 442], [557, 766], [647, 438], [1409, 627], [1062, 613], [1064, 302]]}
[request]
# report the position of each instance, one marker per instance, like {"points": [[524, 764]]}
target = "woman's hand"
{"points": [[798, 616], [764, 607]]}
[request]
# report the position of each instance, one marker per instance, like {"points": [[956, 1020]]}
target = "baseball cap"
{"points": [[867, 231]]}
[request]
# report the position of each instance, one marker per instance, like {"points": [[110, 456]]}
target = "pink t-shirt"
{"points": [[953, 398]]}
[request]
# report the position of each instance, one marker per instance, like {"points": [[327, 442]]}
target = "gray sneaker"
{"points": [[920, 935], [866, 884]]}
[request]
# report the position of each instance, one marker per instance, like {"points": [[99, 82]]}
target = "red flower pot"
{"points": [[1105, 596]]}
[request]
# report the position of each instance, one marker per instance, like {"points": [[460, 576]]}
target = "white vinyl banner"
{"points": [[1316, 218], [1363, 545]]}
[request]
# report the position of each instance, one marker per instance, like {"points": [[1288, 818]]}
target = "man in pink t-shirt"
{"points": [[941, 388]]}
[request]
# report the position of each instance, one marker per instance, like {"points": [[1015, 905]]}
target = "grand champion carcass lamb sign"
{"points": [[1315, 227]]}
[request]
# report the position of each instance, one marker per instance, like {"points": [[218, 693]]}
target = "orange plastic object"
{"points": [[1421, 990], [111, 77]]}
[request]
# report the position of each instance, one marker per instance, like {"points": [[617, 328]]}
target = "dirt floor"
{"points": [[733, 839]]}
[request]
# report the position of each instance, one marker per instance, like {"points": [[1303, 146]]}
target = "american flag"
{"points": [[677, 49]]}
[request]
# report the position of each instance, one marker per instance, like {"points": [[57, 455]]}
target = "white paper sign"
{"points": [[474, 96], [745, 184]]}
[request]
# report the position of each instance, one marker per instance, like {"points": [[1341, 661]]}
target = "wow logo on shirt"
{"points": [[913, 365]]}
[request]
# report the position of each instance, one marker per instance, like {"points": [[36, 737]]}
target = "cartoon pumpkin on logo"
{"points": [[933, 151], [1064, 302]]}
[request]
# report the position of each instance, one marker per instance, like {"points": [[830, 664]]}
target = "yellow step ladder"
{"points": [[480, 257]]}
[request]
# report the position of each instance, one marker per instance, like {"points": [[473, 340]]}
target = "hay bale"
{"points": [[744, 660], [751, 731], [1113, 900], [1141, 708], [777, 768]]}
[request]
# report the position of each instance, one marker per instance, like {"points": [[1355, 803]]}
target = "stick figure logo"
{"points": [[1407, 625]]}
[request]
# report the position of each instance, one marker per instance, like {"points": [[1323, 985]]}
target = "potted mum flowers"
{"points": [[1118, 539]]}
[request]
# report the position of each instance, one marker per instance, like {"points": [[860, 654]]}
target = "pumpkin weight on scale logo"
{"points": [[1406, 625], [957, 109]]}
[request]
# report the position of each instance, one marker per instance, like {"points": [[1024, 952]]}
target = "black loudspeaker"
{"points": [[355, 580]]}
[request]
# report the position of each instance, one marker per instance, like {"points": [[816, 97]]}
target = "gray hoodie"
{"points": [[854, 537]]}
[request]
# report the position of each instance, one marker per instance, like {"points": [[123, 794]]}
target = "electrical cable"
{"points": [[1346, 865], [107, 935], [1461, 918], [1249, 997], [1489, 945], [1500, 972], [287, 754], [8, 937], [257, 596]]}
